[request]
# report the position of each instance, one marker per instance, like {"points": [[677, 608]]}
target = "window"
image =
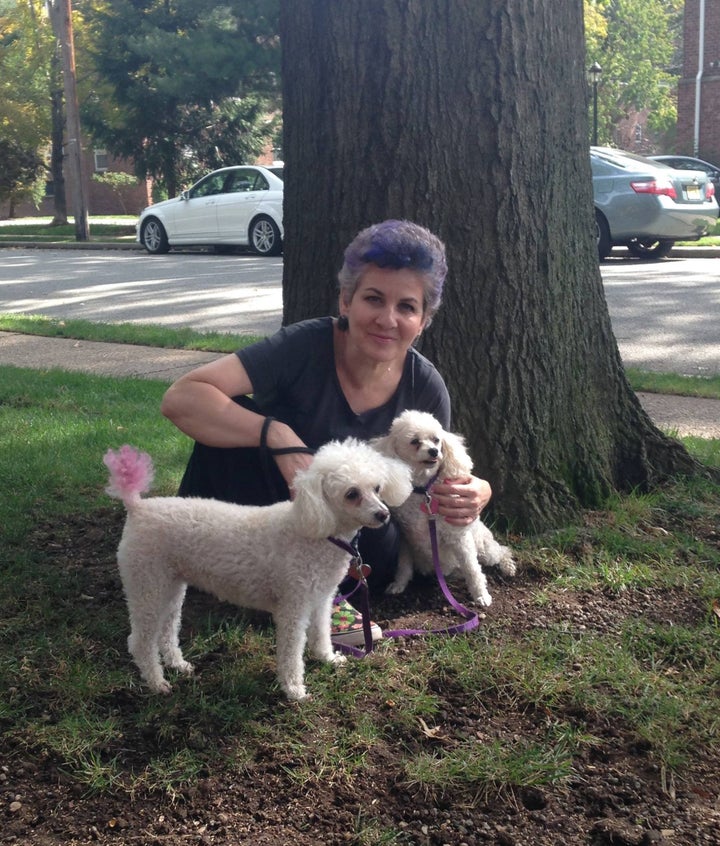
{"points": [[101, 161]]}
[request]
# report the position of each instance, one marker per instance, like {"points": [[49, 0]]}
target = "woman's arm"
{"points": [[200, 405]]}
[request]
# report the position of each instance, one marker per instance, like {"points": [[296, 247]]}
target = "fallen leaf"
{"points": [[435, 733], [657, 530]]}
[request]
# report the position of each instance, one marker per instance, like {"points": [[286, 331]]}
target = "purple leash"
{"points": [[472, 620], [357, 567]]}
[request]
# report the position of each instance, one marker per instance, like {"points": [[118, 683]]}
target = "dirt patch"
{"points": [[615, 796]]}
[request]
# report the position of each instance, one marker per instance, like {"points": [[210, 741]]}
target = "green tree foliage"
{"points": [[637, 43], [183, 85], [25, 53], [20, 172]]}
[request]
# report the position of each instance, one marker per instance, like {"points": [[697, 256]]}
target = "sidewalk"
{"points": [[40, 353], [684, 415]]}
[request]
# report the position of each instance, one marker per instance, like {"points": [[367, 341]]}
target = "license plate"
{"points": [[692, 192]]}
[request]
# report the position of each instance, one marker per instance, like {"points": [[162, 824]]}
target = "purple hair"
{"points": [[396, 244]]}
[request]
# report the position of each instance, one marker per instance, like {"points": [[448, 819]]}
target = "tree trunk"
{"points": [[56, 143], [61, 19], [469, 117]]}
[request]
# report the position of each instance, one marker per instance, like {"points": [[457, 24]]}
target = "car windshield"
{"points": [[627, 161]]}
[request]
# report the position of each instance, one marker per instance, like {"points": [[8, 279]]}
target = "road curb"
{"points": [[72, 245], [677, 252]]}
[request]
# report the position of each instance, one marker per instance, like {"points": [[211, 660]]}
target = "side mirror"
{"points": [[184, 195]]}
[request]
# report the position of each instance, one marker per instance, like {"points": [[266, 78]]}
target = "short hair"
{"points": [[396, 244]]}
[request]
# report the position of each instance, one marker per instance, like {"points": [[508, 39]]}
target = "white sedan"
{"points": [[231, 207]]}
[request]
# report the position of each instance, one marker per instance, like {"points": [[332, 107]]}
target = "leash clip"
{"points": [[430, 506]]}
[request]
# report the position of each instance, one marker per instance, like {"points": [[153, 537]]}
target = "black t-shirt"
{"points": [[294, 379]]}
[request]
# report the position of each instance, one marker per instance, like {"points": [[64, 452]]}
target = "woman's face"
{"points": [[386, 312]]}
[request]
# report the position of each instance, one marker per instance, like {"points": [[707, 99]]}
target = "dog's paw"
{"points": [[506, 565], [337, 658], [483, 599], [395, 588], [162, 686], [296, 693], [186, 668]]}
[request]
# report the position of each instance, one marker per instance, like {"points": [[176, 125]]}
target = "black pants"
{"points": [[249, 476]]}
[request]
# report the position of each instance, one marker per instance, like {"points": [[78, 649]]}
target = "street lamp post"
{"points": [[594, 74]]}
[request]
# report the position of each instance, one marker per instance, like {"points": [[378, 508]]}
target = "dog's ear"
{"points": [[383, 445], [311, 512], [397, 485], [456, 460]]}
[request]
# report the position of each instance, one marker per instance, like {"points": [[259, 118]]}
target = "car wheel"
{"points": [[154, 237], [602, 234], [649, 248], [265, 237]]}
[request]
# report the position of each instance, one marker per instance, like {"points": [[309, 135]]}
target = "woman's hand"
{"points": [[291, 465], [281, 436], [460, 501]]}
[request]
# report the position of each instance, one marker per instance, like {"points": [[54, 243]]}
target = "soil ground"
{"points": [[616, 795]]}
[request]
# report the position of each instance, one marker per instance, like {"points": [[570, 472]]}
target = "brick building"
{"points": [[698, 125], [101, 197]]}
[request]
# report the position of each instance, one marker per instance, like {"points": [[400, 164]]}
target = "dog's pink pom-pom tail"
{"points": [[131, 473]]}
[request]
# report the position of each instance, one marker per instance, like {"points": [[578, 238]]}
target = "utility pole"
{"points": [[61, 18]]}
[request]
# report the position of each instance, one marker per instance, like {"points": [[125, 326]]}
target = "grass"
{"points": [[119, 229], [125, 333], [71, 696], [671, 383]]}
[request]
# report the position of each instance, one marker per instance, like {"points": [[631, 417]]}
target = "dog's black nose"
{"points": [[433, 452], [382, 516]]}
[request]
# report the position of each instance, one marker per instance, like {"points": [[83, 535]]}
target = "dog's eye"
{"points": [[377, 489], [415, 442], [352, 495], [436, 440]]}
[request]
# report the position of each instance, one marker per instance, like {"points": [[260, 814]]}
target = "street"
{"points": [[665, 315], [203, 291]]}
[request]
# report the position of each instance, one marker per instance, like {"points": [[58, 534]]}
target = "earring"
{"points": [[343, 324]]}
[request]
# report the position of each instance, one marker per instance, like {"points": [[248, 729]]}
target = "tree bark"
{"points": [[61, 19], [469, 117], [56, 143]]}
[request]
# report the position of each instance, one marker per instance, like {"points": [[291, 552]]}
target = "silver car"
{"points": [[646, 206], [230, 207], [691, 163]]}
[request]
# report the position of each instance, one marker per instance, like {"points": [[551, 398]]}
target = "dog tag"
{"points": [[358, 569]]}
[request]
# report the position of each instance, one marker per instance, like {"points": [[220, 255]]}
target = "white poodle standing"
{"points": [[419, 440], [277, 558]]}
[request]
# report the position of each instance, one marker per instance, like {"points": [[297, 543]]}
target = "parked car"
{"points": [[690, 163], [230, 207], [646, 205]]}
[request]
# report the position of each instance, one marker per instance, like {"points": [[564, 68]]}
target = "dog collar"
{"points": [[429, 506], [423, 489], [357, 567]]}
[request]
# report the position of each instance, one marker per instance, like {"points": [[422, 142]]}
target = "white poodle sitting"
{"points": [[277, 558], [432, 453]]}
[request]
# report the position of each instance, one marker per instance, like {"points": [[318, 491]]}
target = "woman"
{"points": [[325, 379]]}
